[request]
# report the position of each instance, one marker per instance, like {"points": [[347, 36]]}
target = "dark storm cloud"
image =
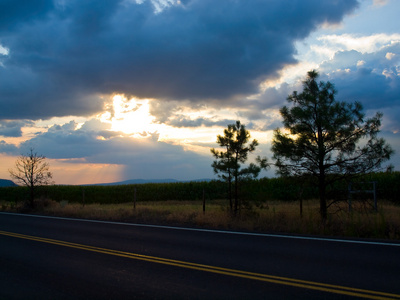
{"points": [[13, 13], [63, 55]]}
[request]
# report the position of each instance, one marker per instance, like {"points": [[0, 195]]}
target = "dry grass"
{"points": [[277, 216]]}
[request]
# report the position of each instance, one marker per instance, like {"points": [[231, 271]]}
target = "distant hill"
{"points": [[143, 181], [6, 182]]}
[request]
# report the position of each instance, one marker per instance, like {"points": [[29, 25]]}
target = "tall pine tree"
{"points": [[327, 139]]}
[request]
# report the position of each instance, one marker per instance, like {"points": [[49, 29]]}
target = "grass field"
{"points": [[274, 216]]}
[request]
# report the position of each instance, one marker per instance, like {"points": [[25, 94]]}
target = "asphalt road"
{"points": [[51, 258]]}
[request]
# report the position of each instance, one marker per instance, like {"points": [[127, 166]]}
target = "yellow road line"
{"points": [[330, 288]]}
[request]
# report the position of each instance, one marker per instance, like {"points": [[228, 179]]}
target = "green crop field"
{"points": [[257, 191]]}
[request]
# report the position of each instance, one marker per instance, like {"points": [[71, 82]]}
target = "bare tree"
{"points": [[31, 170]]}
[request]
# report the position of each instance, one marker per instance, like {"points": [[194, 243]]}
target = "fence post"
{"points": [[204, 202], [83, 197], [301, 207], [134, 199], [375, 200], [349, 197]]}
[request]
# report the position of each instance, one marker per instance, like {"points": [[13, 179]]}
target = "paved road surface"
{"points": [[51, 258]]}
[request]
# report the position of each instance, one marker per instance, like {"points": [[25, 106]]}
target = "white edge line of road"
{"points": [[214, 231]]}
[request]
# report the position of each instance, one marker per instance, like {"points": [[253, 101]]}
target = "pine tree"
{"points": [[327, 139]]}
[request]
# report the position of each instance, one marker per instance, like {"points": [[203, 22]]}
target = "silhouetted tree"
{"points": [[228, 162], [31, 170], [328, 139]]}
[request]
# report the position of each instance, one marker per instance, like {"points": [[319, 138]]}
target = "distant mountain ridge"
{"points": [[6, 183], [144, 181]]}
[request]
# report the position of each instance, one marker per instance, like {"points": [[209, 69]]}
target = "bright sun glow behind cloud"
{"points": [[130, 116]]}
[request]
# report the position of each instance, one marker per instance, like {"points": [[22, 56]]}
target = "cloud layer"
{"points": [[63, 55]]}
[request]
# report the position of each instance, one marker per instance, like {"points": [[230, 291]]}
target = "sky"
{"points": [[114, 90]]}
